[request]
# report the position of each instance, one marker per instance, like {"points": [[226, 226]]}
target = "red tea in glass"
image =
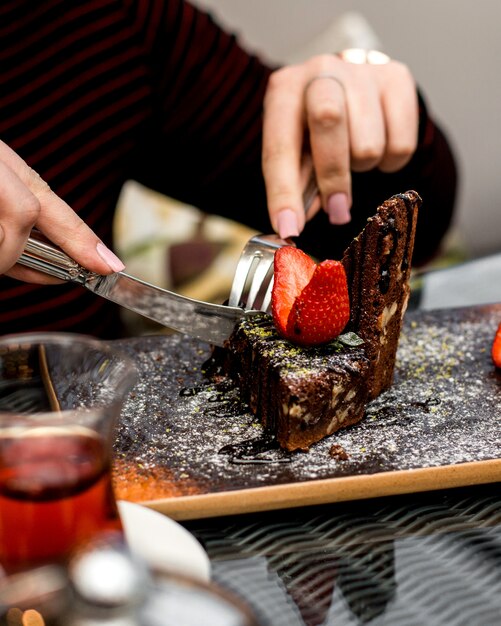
{"points": [[60, 395], [55, 495]]}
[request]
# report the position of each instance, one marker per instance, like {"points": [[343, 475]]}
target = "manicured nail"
{"points": [[338, 209], [109, 258], [287, 224]]}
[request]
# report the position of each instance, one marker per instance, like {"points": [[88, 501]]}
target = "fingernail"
{"points": [[338, 209], [109, 258], [287, 224]]}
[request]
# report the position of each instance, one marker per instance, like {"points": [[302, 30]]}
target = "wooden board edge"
{"points": [[327, 491]]}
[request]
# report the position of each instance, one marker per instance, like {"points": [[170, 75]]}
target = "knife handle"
{"points": [[39, 254]]}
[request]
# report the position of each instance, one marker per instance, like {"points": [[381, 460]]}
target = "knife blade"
{"points": [[204, 320]]}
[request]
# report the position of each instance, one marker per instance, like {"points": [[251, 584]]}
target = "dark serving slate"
{"points": [[190, 447]]}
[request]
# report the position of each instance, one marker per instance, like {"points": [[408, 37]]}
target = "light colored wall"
{"points": [[454, 50]]}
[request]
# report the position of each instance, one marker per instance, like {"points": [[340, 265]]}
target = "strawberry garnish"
{"points": [[310, 302], [496, 348], [292, 271]]}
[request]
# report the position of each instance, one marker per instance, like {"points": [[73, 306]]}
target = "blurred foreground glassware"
{"points": [[106, 586], [60, 397]]}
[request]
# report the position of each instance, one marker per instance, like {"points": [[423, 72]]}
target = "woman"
{"points": [[102, 91]]}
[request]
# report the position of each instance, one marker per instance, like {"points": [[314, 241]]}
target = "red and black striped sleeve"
{"points": [[96, 92], [101, 91]]}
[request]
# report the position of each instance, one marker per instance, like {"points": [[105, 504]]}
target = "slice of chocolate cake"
{"points": [[300, 394], [304, 394], [378, 267]]}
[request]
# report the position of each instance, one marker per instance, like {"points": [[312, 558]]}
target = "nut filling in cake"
{"points": [[300, 394], [304, 394]]}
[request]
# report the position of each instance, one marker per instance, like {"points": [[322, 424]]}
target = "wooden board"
{"points": [[180, 451]]}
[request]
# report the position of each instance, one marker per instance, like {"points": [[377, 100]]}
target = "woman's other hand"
{"points": [[335, 116]]}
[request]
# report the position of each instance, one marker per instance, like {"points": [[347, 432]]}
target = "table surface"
{"points": [[431, 558], [420, 559]]}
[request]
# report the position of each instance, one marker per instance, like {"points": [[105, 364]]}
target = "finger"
{"points": [[327, 120], [366, 123], [401, 110], [19, 211], [60, 223], [282, 144]]}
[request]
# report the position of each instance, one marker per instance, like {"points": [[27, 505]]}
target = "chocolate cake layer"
{"points": [[300, 394], [304, 394]]}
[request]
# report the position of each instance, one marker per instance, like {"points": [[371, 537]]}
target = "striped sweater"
{"points": [[96, 92]]}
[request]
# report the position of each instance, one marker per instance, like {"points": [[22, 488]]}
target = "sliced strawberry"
{"points": [[323, 309], [292, 271], [496, 348], [310, 302]]}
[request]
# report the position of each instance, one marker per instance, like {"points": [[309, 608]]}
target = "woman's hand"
{"points": [[26, 201], [348, 117]]}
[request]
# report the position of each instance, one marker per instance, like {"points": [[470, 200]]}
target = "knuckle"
{"points": [[367, 155], [279, 197], [401, 70], [393, 162], [279, 190], [401, 149], [273, 153], [76, 234], [323, 61], [29, 210], [326, 114], [371, 152], [37, 183], [331, 176]]}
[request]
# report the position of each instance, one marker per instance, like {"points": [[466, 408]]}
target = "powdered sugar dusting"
{"points": [[444, 408]]}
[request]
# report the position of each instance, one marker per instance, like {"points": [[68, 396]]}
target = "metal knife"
{"points": [[207, 321]]}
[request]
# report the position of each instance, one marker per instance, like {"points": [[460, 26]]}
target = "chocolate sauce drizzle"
{"points": [[259, 451], [394, 411]]}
